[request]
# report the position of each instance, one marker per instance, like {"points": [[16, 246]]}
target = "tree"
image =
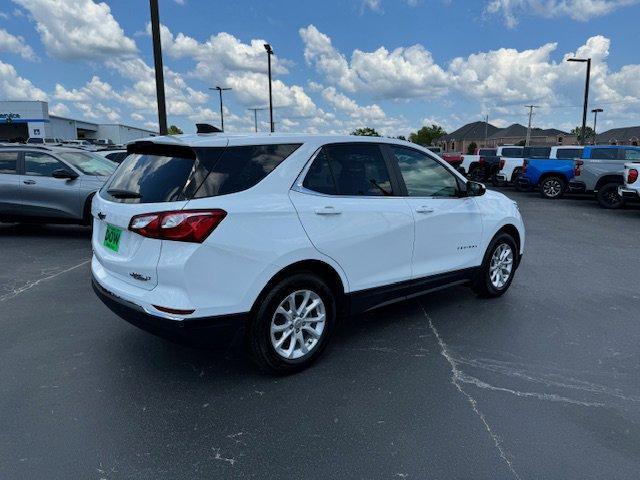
{"points": [[365, 132], [427, 135], [589, 133], [521, 143], [173, 130], [471, 149]]}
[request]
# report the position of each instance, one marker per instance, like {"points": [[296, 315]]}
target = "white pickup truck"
{"points": [[631, 187], [512, 167]]}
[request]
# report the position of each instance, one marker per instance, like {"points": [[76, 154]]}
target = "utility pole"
{"points": [[269, 50], [528, 140], [595, 112], [586, 96], [157, 60], [255, 116], [486, 130], [220, 90]]}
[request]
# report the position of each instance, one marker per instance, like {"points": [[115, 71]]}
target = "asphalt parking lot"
{"points": [[542, 383]]}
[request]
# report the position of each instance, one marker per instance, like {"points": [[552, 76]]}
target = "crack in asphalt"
{"points": [[457, 377], [29, 285]]}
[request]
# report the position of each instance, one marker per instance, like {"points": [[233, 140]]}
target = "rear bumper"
{"points": [[577, 187], [629, 193], [524, 182], [501, 177], [137, 316]]}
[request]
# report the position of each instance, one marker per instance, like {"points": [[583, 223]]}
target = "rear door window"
{"points": [[536, 152], [41, 164], [8, 162], [487, 152], [357, 169], [569, 153], [604, 153], [512, 152]]}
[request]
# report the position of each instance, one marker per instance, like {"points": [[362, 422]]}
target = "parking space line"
{"points": [[30, 285], [456, 375]]}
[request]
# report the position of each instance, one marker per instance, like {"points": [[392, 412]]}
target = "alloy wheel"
{"points": [[501, 266], [298, 324], [552, 187]]}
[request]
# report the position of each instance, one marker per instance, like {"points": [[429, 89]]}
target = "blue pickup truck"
{"points": [[550, 175]]}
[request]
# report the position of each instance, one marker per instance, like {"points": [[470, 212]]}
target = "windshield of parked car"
{"points": [[90, 164]]}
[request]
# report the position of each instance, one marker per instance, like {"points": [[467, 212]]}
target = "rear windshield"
{"points": [[605, 153], [153, 178], [90, 164], [569, 153]]}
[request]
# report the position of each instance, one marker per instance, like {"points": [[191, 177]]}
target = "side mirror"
{"points": [[64, 173], [475, 189]]}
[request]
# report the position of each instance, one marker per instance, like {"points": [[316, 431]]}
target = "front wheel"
{"points": [[498, 267], [293, 324], [477, 173], [552, 187], [608, 197]]}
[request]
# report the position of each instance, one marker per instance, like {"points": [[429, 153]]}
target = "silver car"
{"points": [[50, 184]]}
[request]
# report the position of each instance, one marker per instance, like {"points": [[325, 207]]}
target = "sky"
{"points": [[393, 65]]}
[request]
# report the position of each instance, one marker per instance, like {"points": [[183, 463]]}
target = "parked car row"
{"points": [[557, 170]]}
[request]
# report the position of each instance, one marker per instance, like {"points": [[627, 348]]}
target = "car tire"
{"points": [[477, 173], [609, 198], [515, 176], [269, 324], [498, 267], [552, 187]]}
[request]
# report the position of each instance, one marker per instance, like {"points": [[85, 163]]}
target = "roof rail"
{"points": [[206, 128]]}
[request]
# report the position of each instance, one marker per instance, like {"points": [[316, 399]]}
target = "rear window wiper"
{"points": [[119, 193]]}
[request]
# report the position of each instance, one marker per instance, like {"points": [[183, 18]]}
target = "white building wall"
{"points": [[121, 134], [62, 128]]}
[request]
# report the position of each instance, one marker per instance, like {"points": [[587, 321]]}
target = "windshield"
{"points": [[90, 164]]}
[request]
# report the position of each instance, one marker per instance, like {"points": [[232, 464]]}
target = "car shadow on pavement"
{"points": [[44, 230]]}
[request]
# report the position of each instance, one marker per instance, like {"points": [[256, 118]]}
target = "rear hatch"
{"points": [[153, 178]]}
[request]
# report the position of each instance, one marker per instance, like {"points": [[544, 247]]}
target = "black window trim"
{"points": [[50, 154], [396, 185], [398, 173]]}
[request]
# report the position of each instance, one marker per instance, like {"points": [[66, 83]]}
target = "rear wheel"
{"points": [[292, 325], [498, 267], [608, 196], [552, 187], [477, 173]]}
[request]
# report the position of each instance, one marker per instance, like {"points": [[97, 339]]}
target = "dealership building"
{"points": [[20, 120]]}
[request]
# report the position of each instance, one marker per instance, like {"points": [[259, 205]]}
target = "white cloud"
{"points": [[400, 73], [137, 117], [15, 44], [15, 87], [373, 5], [349, 106], [581, 10], [78, 29], [59, 110]]}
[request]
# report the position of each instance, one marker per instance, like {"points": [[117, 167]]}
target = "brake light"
{"points": [[525, 163], [632, 176], [179, 225], [502, 162], [481, 160], [577, 169]]}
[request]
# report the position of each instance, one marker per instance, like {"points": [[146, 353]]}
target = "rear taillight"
{"points": [[632, 176], [525, 164], [577, 167], [179, 225], [502, 162], [481, 160]]}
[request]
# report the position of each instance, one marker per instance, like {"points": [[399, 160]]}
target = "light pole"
{"points": [[595, 112], [269, 50], [157, 60], [255, 116], [220, 90], [586, 96]]}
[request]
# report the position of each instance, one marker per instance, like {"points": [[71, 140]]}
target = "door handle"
{"points": [[29, 182], [328, 211], [424, 209]]}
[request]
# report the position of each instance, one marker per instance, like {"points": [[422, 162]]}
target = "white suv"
{"points": [[284, 234]]}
